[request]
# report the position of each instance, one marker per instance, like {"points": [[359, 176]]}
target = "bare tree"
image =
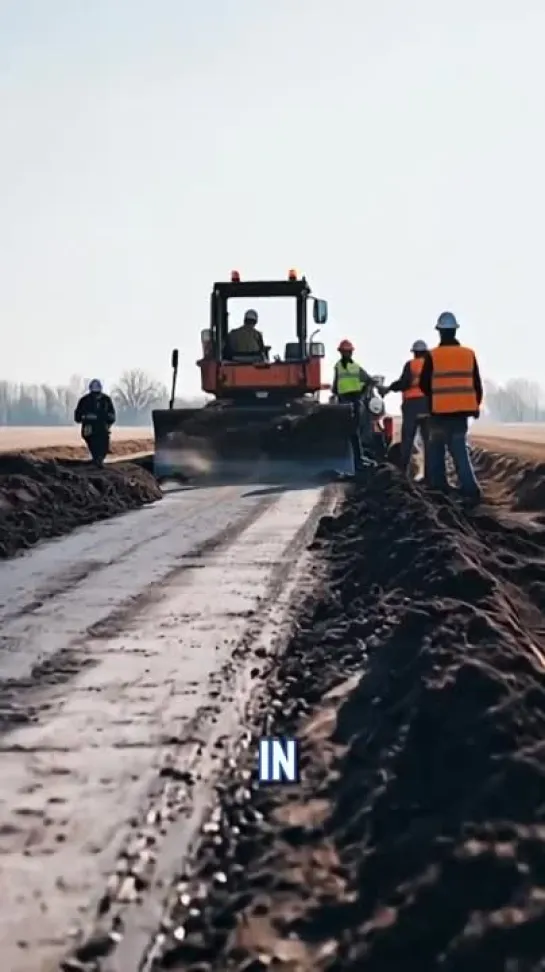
{"points": [[135, 395], [519, 400]]}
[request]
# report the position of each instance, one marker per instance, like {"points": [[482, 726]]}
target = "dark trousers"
{"points": [[98, 444], [414, 419], [358, 416], [449, 434]]}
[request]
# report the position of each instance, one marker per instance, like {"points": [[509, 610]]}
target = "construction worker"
{"points": [[246, 340], [96, 413], [451, 381], [349, 382], [414, 407]]}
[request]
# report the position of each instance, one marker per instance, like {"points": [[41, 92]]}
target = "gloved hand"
{"points": [[476, 415], [383, 390]]}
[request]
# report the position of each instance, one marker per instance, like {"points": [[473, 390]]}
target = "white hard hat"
{"points": [[251, 315], [375, 405], [446, 322], [419, 346], [95, 385]]}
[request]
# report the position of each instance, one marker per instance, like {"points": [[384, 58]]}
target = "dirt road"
{"points": [[127, 653]]}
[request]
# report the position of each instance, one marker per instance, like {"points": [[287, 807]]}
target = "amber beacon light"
{"points": [[292, 275], [235, 276]]}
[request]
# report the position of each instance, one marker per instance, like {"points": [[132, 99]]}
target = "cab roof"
{"points": [[262, 288]]}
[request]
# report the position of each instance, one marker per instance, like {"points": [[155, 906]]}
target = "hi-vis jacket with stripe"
{"points": [[451, 380]]}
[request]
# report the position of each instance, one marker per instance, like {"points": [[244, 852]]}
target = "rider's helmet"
{"points": [[95, 385], [345, 347]]}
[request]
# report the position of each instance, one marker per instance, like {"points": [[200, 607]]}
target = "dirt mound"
{"points": [[417, 834], [43, 498], [522, 480]]}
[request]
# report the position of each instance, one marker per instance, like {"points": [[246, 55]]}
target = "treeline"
{"points": [[135, 395], [519, 400]]}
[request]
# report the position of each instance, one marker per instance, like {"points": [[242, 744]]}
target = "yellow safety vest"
{"points": [[348, 378]]}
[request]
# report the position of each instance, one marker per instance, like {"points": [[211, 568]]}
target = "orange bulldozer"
{"points": [[265, 417]]}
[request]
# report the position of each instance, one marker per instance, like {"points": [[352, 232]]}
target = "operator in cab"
{"points": [[349, 383], [246, 340], [95, 413]]}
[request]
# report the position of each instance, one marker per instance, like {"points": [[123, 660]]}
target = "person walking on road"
{"points": [[95, 413], [414, 408], [451, 381]]}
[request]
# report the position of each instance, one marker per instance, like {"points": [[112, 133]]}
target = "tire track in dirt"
{"points": [[44, 640], [415, 681]]}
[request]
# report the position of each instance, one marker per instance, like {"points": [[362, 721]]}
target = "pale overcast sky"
{"points": [[393, 150]]}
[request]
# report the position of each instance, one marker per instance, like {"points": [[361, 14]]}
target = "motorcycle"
{"points": [[376, 427]]}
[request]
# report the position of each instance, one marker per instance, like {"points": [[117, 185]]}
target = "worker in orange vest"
{"points": [[451, 380], [414, 408]]}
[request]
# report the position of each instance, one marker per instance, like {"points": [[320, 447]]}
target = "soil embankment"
{"points": [[415, 680], [44, 496]]}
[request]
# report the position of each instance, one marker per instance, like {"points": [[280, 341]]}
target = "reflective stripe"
{"points": [[452, 384], [416, 365], [348, 378]]}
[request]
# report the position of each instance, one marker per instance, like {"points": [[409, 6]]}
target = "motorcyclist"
{"points": [[95, 413], [350, 381]]}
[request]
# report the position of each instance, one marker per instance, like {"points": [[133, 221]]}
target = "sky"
{"points": [[392, 151]]}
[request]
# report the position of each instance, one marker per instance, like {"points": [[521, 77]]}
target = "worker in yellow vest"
{"points": [[451, 380], [414, 408], [349, 383]]}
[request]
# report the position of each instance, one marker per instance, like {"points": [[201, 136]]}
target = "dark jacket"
{"points": [[427, 373], [95, 409]]}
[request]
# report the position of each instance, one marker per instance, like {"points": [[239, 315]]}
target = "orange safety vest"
{"points": [[452, 385], [416, 365]]}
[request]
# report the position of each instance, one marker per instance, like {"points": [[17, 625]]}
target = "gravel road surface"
{"points": [[120, 645]]}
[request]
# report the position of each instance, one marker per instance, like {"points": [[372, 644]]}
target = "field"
{"points": [[15, 438]]}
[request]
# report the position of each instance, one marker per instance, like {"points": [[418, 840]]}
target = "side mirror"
{"points": [[319, 311], [174, 360]]}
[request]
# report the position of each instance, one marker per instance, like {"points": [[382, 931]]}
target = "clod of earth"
{"points": [[415, 680], [44, 498]]}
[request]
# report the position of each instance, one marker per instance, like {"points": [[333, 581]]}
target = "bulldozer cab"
{"points": [[225, 374], [299, 291]]}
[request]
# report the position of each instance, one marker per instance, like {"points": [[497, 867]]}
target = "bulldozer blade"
{"points": [[252, 443]]}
